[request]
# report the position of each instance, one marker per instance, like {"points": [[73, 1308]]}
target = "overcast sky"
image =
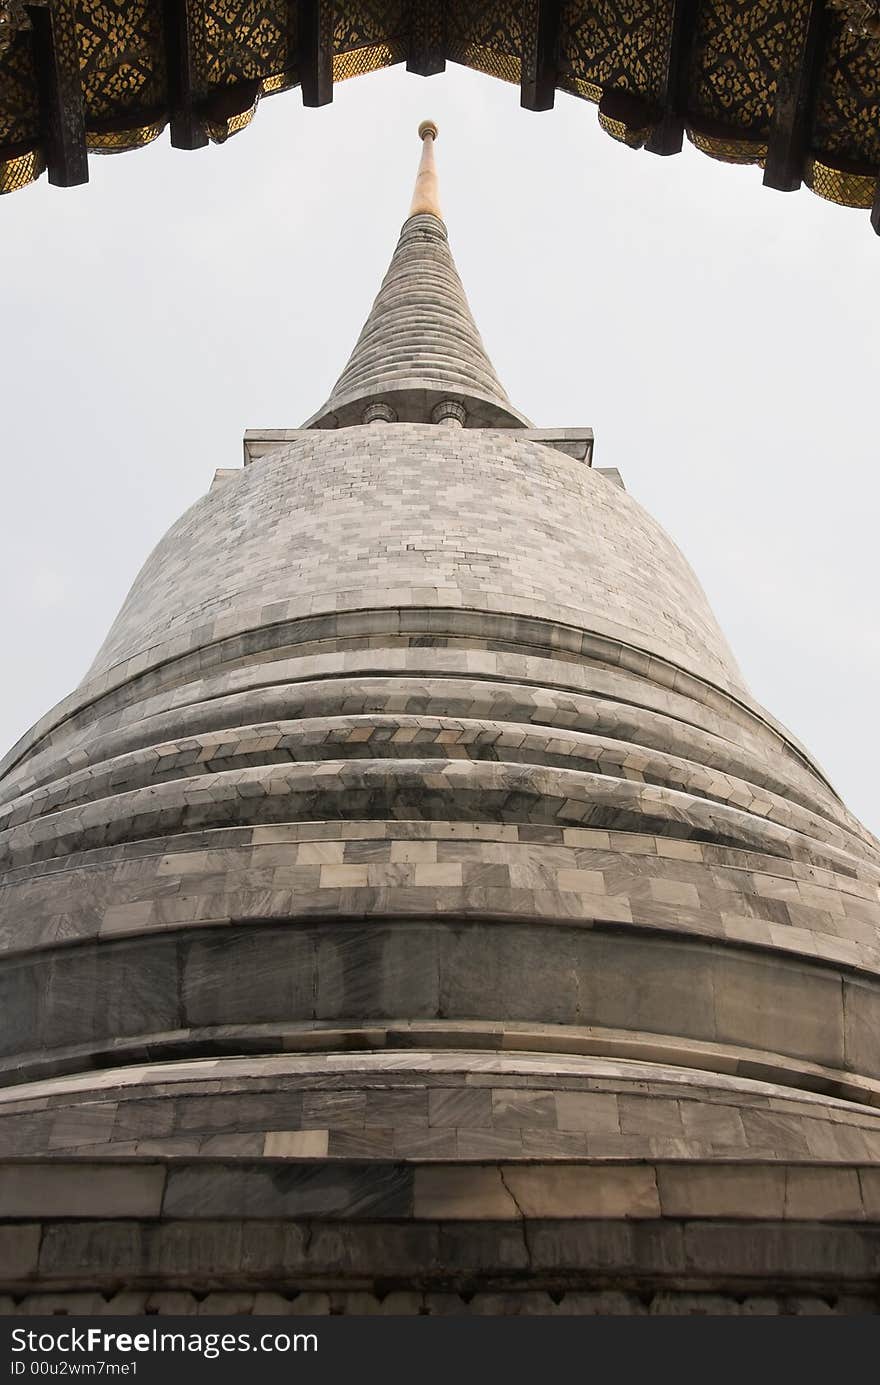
{"points": [[720, 338]]}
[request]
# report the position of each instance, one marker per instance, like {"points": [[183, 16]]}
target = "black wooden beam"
{"points": [[181, 21], [788, 143], [315, 35], [667, 136], [56, 53], [427, 38], [540, 30]]}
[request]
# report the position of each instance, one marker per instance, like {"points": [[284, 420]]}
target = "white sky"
{"points": [[720, 338]]}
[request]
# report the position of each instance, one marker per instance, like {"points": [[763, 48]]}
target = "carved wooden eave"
{"points": [[791, 86]]}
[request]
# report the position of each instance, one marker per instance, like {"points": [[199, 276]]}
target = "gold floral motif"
{"points": [[607, 44], [486, 36], [121, 57], [19, 95], [244, 40], [740, 47], [367, 24], [847, 119]]}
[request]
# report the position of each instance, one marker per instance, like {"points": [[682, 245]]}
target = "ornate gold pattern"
{"points": [[242, 49], [729, 150], [847, 120], [20, 170], [587, 91], [277, 83], [121, 141], [19, 95], [368, 23], [740, 46], [220, 129], [121, 57], [360, 60], [244, 40], [634, 139], [606, 44], [486, 36], [836, 185]]}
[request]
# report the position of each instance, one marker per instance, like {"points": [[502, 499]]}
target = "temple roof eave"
{"points": [[792, 90]]}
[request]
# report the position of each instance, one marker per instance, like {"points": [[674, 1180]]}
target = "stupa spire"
{"points": [[419, 357], [426, 195]]}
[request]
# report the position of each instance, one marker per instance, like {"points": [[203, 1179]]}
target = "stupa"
{"points": [[413, 911]]}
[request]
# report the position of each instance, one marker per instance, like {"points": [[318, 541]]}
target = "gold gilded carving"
{"points": [[740, 46], [626, 117], [836, 185], [357, 61], [588, 91], [245, 40], [847, 117], [121, 141], [728, 149], [608, 45], [20, 170], [368, 24], [487, 37], [121, 57], [19, 98], [229, 117], [276, 83], [617, 129]]}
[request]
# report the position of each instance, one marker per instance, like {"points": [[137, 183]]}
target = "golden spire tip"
{"points": [[426, 198]]}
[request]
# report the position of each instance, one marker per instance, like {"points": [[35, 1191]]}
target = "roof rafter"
{"points": [[315, 30], [56, 49], [181, 20], [427, 38], [795, 94], [667, 136], [540, 30]]}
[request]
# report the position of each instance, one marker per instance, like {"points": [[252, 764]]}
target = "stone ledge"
{"points": [[297, 1190], [390, 1039], [512, 1302], [577, 443], [269, 1250], [172, 992]]}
